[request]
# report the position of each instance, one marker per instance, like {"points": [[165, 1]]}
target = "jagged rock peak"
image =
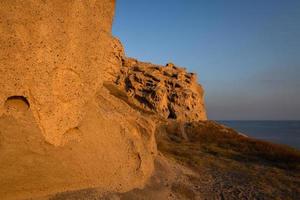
{"points": [[169, 91]]}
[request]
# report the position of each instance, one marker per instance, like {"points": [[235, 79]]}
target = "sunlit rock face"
{"points": [[169, 91], [60, 129], [53, 53]]}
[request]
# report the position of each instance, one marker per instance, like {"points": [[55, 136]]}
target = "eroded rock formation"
{"points": [[53, 54], [169, 91], [60, 130], [73, 109]]}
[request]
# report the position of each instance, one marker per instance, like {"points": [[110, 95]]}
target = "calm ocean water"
{"points": [[282, 132]]}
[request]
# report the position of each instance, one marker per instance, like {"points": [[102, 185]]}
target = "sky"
{"points": [[246, 52]]}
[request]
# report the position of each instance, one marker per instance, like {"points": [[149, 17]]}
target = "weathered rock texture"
{"points": [[60, 129], [169, 91], [112, 150], [74, 111], [53, 53]]}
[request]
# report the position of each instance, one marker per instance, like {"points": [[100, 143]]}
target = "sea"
{"points": [[281, 132]]}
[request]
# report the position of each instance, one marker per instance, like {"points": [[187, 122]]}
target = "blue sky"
{"points": [[246, 52]]}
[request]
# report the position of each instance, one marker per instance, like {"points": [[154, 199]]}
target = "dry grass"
{"points": [[272, 170], [215, 139]]}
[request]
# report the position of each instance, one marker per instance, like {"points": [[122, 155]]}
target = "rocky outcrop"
{"points": [[169, 91], [74, 111], [112, 149], [60, 129], [53, 54], [80, 120]]}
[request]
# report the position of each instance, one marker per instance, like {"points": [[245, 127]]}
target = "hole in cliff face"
{"points": [[172, 113], [18, 103]]}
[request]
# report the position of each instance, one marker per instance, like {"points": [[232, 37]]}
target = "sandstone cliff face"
{"points": [[75, 113], [52, 54], [60, 129], [169, 91], [112, 150]]}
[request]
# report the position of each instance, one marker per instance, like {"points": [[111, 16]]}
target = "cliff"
{"points": [[60, 129], [76, 113], [53, 55], [80, 120], [169, 91]]}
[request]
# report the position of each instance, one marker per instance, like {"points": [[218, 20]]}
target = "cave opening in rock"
{"points": [[172, 113], [17, 101]]}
